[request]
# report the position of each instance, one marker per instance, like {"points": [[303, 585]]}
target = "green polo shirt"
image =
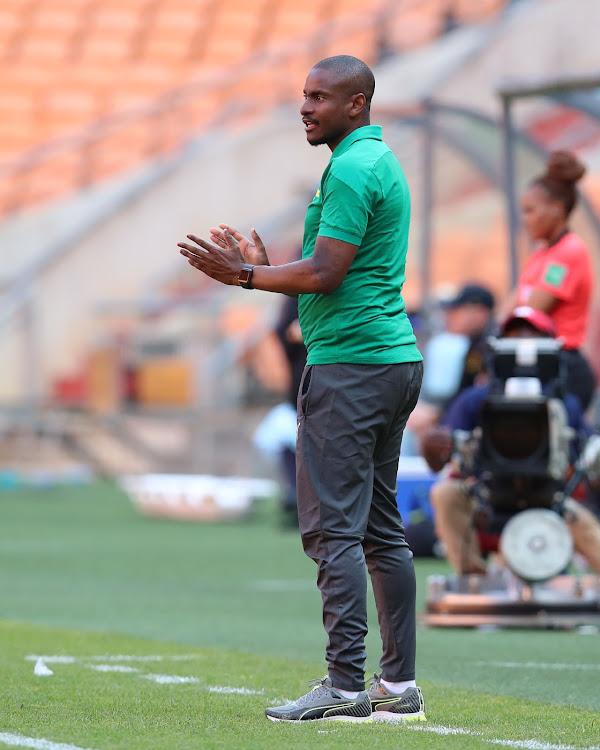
{"points": [[363, 199]]}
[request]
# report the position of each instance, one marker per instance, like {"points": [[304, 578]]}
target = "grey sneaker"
{"points": [[323, 702], [388, 706]]}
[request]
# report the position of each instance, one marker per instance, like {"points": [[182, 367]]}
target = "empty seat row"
{"points": [[64, 64]]}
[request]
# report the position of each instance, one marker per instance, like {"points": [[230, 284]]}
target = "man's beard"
{"points": [[327, 138]]}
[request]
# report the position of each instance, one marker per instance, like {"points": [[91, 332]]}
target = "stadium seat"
{"points": [[57, 21], [235, 31], [349, 7], [171, 37], [469, 11], [415, 26], [62, 110], [363, 43], [138, 84], [11, 23], [292, 19], [20, 129]]}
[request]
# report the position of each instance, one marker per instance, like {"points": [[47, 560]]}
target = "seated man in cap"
{"points": [[455, 357], [454, 501]]}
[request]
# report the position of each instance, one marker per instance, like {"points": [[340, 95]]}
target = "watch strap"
{"points": [[245, 276]]}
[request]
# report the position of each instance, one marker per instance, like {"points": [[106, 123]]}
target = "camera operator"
{"points": [[457, 498]]}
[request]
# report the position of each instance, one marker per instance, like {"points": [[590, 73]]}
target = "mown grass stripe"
{"points": [[538, 665]]}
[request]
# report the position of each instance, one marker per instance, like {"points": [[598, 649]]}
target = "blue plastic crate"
{"points": [[415, 480]]}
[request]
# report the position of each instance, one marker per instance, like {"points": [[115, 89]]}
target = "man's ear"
{"points": [[359, 102]]}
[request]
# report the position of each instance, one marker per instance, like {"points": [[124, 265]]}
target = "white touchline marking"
{"points": [[237, 691], [536, 745], [537, 665], [169, 679], [161, 679], [51, 659], [113, 668], [18, 740], [59, 659], [173, 679], [524, 744], [442, 730]]}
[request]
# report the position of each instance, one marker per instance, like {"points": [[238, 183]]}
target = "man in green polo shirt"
{"points": [[361, 382], [362, 200]]}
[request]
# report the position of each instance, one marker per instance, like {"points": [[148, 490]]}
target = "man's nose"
{"points": [[306, 107]]}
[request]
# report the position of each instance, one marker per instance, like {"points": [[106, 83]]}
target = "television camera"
{"points": [[523, 470]]}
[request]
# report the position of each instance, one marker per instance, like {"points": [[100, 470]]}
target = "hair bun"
{"points": [[565, 167]]}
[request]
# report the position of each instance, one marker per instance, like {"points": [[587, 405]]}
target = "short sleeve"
{"points": [[345, 213], [561, 274]]}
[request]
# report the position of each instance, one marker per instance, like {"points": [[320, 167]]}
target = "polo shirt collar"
{"points": [[360, 134]]}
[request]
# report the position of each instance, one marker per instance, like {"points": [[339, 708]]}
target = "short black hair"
{"points": [[471, 294], [353, 74]]}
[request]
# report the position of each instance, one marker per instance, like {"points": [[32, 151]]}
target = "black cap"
{"points": [[471, 294]]}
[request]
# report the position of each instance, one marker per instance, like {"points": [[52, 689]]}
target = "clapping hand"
{"points": [[252, 250], [222, 261]]}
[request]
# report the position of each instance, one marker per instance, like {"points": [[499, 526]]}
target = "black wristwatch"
{"points": [[245, 276]]}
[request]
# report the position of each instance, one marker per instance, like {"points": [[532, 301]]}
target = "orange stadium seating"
{"points": [[419, 23], [468, 11], [115, 69]]}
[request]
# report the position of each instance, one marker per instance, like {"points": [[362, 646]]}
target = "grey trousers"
{"points": [[350, 424]]}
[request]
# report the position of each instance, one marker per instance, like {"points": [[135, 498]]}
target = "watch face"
{"points": [[245, 276]]}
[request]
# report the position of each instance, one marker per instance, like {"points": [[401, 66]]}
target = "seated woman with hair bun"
{"points": [[557, 277]]}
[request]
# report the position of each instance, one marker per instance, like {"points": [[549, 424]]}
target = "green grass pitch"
{"points": [[166, 636]]}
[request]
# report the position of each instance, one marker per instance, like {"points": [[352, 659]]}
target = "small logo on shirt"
{"points": [[555, 274], [318, 193]]}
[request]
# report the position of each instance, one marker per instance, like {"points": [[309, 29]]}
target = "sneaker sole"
{"points": [[364, 719], [392, 718]]}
